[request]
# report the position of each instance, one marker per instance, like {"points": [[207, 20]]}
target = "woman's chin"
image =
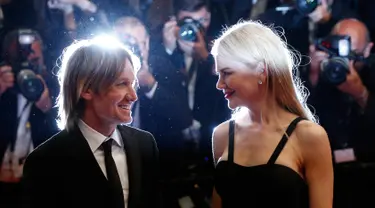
{"points": [[232, 105]]}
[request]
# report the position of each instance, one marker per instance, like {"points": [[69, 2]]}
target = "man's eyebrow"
{"points": [[126, 79]]}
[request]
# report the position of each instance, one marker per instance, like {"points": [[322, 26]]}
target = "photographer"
{"points": [[26, 101], [303, 21], [342, 81], [182, 64], [162, 107], [186, 46]]}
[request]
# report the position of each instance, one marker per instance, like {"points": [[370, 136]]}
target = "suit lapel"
{"points": [[84, 158], [134, 165]]}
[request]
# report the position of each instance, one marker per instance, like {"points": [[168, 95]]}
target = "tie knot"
{"points": [[107, 145]]}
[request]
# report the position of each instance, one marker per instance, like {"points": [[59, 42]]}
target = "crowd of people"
{"points": [[181, 103]]}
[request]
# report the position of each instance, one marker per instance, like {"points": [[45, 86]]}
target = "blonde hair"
{"points": [[250, 43], [89, 64]]}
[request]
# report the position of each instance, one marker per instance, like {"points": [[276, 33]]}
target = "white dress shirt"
{"points": [[12, 164], [95, 140]]}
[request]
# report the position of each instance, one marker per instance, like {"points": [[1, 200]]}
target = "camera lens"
{"points": [[335, 70], [30, 85], [131, 43], [188, 32], [305, 7], [189, 29]]}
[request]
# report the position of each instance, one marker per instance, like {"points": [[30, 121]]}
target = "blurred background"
{"points": [[178, 101]]}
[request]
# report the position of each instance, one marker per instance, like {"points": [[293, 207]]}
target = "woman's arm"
{"points": [[317, 162], [219, 144]]}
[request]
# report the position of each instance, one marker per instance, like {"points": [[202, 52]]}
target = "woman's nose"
{"points": [[220, 85]]}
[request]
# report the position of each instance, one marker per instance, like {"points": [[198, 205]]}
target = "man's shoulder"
{"points": [[53, 145], [133, 131]]}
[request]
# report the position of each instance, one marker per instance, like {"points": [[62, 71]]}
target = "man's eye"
{"points": [[123, 83]]}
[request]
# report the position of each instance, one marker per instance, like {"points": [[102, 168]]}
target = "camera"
{"points": [[130, 42], [305, 7], [336, 67], [27, 83], [189, 29]]}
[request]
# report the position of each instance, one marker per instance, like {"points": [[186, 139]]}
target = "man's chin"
{"points": [[125, 120]]}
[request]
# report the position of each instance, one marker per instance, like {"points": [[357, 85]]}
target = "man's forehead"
{"points": [[138, 32], [357, 36], [199, 13]]}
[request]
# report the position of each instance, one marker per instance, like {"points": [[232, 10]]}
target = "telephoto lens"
{"points": [[30, 85]]}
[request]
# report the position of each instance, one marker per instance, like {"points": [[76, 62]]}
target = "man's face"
{"points": [[36, 57], [202, 15], [139, 35], [113, 106], [359, 42]]}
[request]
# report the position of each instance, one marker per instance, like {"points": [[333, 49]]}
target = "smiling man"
{"points": [[96, 161]]}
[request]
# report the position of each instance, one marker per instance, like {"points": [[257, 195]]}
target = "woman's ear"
{"points": [[262, 72]]}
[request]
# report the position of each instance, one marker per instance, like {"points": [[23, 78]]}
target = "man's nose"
{"points": [[132, 96]]}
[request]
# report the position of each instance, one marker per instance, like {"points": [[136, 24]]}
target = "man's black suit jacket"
{"points": [[63, 172]]}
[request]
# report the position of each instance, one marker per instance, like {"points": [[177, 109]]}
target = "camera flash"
{"points": [[344, 47], [26, 39]]}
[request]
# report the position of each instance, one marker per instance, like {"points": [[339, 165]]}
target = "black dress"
{"points": [[267, 185]]}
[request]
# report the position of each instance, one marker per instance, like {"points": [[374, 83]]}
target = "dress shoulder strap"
{"points": [[231, 141], [284, 140]]}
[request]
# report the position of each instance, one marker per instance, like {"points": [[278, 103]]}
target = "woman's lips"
{"points": [[228, 94]]}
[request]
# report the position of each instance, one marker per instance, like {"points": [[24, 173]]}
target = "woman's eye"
{"points": [[226, 73]]}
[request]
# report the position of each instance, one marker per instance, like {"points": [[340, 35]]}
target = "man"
{"points": [[349, 100], [184, 131], [23, 113], [95, 161], [302, 29], [192, 72], [346, 111], [156, 94]]}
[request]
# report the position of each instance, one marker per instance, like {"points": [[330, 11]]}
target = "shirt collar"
{"points": [[95, 139]]}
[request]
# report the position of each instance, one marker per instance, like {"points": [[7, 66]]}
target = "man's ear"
{"points": [[87, 95], [367, 51]]}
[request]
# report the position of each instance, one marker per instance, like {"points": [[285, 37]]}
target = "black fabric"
{"points": [[283, 140], [112, 175], [231, 141], [266, 185], [63, 172]]}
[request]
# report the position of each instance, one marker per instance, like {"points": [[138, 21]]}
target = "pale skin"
{"points": [[308, 148], [257, 134]]}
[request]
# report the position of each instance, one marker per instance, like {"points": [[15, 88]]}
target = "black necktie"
{"points": [[112, 175]]}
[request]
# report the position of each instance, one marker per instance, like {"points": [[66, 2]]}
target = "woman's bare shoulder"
{"points": [[312, 138], [220, 139]]}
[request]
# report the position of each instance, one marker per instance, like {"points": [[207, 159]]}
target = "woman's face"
{"points": [[240, 84]]}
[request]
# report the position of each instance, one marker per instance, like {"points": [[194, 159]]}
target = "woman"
{"points": [[96, 154], [272, 153]]}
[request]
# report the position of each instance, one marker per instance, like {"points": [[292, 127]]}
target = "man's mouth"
{"points": [[125, 107]]}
